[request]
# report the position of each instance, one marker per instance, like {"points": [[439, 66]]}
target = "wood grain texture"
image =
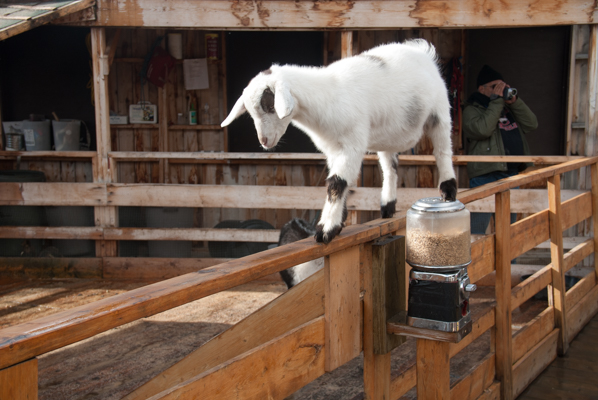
{"points": [[433, 370], [271, 371], [503, 295], [19, 382], [296, 307], [532, 333], [343, 307]]}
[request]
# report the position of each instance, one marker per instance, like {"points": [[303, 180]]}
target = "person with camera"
{"points": [[495, 122]]}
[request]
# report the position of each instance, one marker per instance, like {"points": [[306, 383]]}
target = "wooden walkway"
{"points": [[572, 377]]}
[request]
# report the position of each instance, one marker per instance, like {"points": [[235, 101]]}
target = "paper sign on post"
{"points": [[196, 74]]}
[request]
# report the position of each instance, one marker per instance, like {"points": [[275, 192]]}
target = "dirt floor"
{"points": [[114, 363]]}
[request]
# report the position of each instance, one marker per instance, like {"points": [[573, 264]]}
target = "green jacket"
{"points": [[480, 127]]}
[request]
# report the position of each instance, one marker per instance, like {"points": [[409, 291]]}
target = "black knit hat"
{"points": [[487, 74]]}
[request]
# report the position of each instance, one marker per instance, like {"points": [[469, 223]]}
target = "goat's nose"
{"points": [[264, 141]]}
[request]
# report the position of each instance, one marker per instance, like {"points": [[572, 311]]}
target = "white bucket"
{"points": [[67, 134], [37, 135]]}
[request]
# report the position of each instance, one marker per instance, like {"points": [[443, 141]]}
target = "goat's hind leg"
{"points": [[439, 131], [389, 162]]}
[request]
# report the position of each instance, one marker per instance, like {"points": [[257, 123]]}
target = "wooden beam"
{"points": [[594, 174], [389, 289], [534, 362], [153, 269], [296, 307], [433, 370], [343, 307], [273, 370], [529, 287], [503, 294], [475, 381], [580, 290], [103, 172], [366, 14], [51, 267], [30, 339], [532, 333], [19, 382], [482, 258], [581, 314], [558, 290]]}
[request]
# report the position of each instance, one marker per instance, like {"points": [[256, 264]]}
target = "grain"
{"points": [[434, 249]]}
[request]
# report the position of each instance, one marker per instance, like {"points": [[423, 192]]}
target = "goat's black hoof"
{"points": [[389, 209], [448, 190], [326, 236]]}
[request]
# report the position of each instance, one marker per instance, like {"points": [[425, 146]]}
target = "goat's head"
{"points": [[269, 102]]}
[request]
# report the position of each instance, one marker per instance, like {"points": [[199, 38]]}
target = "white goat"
{"points": [[382, 100]]}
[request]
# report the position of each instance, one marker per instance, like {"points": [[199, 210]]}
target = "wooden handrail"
{"points": [[30, 339]]}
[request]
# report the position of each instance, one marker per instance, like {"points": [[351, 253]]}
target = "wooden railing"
{"points": [[318, 324]]}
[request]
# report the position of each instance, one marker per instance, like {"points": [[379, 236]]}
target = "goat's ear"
{"points": [[283, 100], [237, 110]]}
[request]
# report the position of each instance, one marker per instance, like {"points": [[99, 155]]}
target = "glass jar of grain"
{"points": [[438, 235]]}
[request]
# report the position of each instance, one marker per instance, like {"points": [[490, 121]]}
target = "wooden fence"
{"points": [[323, 322]]}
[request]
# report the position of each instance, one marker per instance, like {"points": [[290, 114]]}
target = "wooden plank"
{"points": [[576, 210], [343, 307], [30, 339], [273, 370], [483, 318], [51, 267], [532, 333], [60, 232], [376, 367], [503, 294], [482, 258], [532, 285], [594, 177], [19, 382], [195, 234], [388, 288], [534, 362], [528, 233], [433, 370], [52, 194], [154, 269], [214, 14], [578, 254], [492, 393], [579, 315], [475, 381], [403, 383], [558, 290], [296, 307], [580, 290]]}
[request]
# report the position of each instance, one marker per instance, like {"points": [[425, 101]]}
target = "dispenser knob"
{"points": [[470, 287]]}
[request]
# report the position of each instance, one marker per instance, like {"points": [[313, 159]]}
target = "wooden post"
{"points": [[503, 294], [558, 292], [385, 288], [433, 370], [103, 172], [343, 307], [594, 168], [19, 382]]}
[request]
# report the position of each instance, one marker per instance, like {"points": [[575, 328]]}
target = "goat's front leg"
{"points": [[389, 162], [344, 170]]}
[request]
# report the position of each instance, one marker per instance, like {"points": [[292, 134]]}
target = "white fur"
{"points": [[378, 101]]}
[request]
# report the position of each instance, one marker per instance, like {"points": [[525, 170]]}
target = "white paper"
{"points": [[196, 74]]}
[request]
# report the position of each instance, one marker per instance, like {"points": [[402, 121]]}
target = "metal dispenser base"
{"points": [[440, 300]]}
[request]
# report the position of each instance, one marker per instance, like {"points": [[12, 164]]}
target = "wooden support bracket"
{"points": [[389, 290]]}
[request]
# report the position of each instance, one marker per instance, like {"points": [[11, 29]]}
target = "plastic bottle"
{"points": [[192, 111]]}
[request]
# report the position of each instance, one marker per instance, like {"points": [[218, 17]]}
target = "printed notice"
{"points": [[196, 74]]}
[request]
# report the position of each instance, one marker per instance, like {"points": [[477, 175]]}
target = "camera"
{"points": [[509, 93]]}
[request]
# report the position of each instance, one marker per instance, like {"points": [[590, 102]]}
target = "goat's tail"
{"points": [[425, 47]]}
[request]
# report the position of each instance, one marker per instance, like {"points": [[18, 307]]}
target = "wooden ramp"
{"points": [[572, 376]]}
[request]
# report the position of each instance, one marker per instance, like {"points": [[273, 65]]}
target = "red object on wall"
{"points": [[159, 67]]}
